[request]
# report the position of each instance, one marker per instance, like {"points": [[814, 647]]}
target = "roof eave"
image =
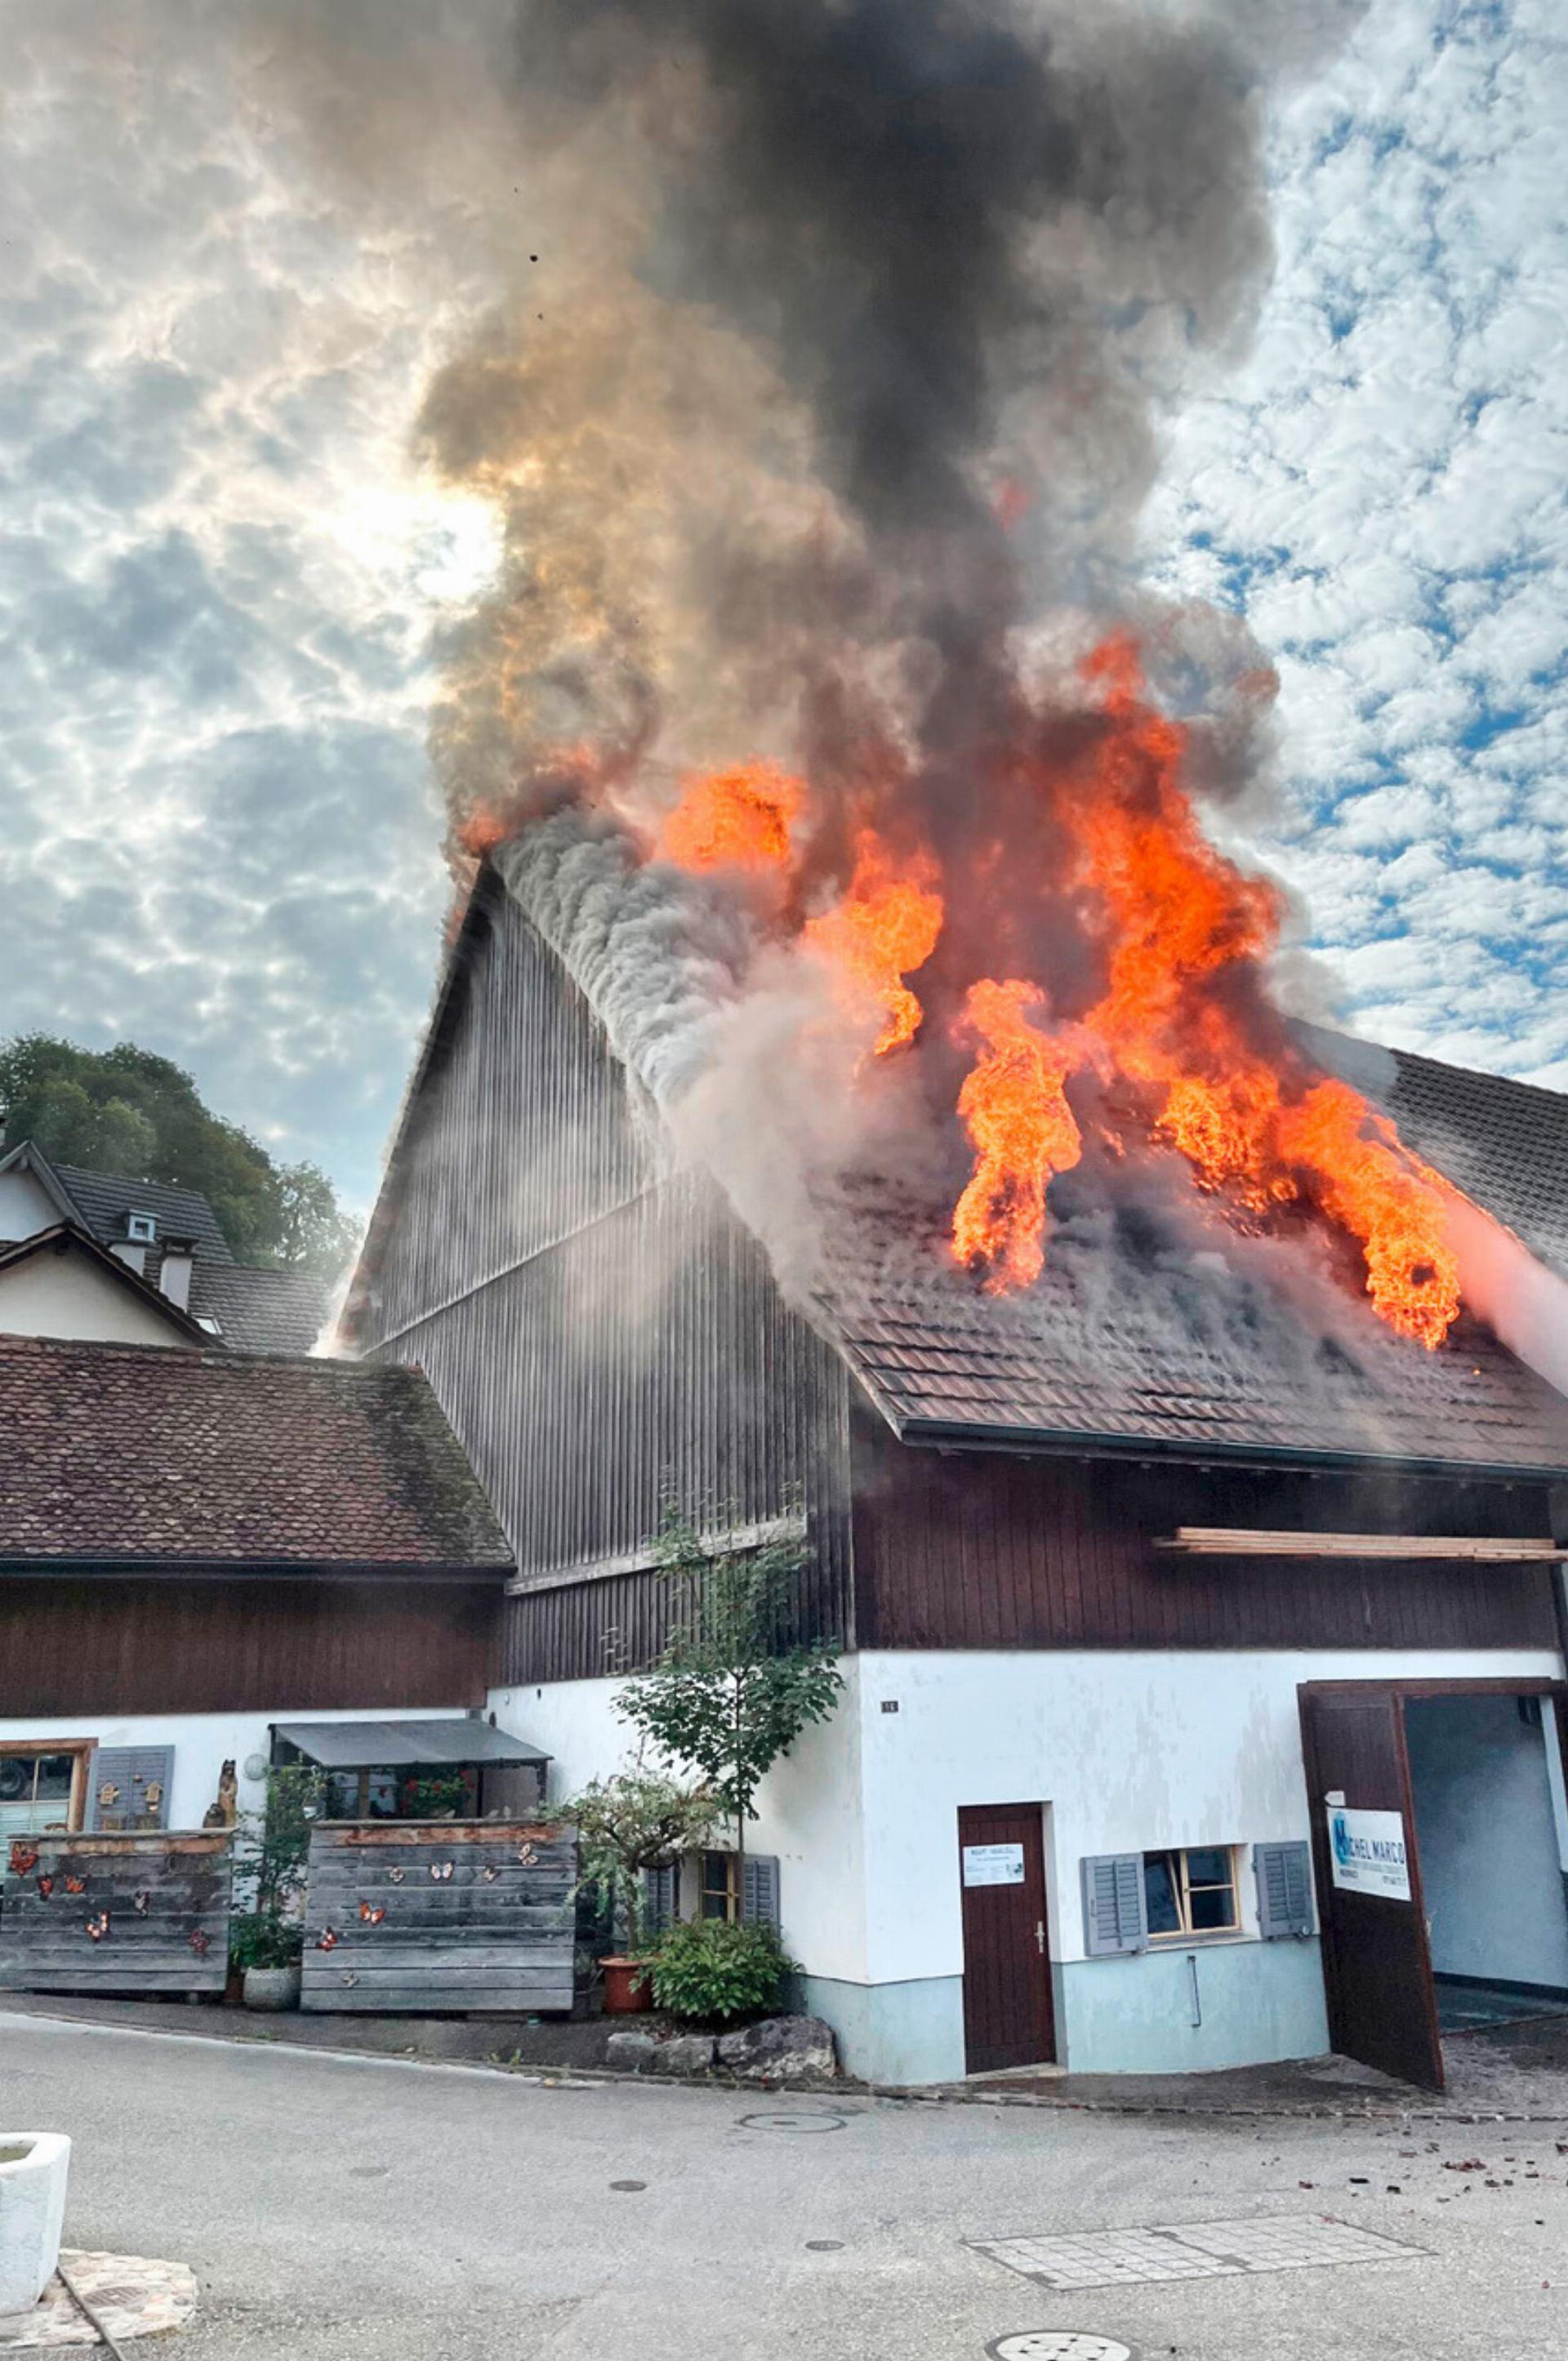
{"points": [[960, 1434], [163, 1568]]}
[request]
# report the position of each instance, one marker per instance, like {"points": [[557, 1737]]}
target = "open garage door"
{"points": [[1376, 1961]]}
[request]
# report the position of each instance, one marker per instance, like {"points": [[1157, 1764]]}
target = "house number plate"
{"points": [[999, 1864]]}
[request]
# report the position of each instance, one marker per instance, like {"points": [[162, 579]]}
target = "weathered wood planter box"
{"points": [[474, 1917], [131, 1913]]}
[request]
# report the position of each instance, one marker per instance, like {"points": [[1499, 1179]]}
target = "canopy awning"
{"points": [[402, 1745]]}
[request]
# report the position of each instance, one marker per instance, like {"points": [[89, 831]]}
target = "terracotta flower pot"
{"points": [[628, 1987]]}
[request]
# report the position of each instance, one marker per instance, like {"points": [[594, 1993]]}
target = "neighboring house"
{"points": [[170, 1238], [1122, 1603], [201, 1550], [61, 1282]]}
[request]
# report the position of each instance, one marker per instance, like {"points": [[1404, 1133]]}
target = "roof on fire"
{"points": [[131, 1455], [1162, 1365]]}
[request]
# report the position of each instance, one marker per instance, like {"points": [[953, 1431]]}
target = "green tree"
{"points": [[731, 1693], [636, 1819], [128, 1111]]}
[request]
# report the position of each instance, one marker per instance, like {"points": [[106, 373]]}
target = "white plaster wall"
{"points": [[202, 1743], [25, 1209], [1490, 1877], [809, 1807], [66, 1295], [1132, 1749]]}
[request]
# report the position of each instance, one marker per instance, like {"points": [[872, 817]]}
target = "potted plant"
{"points": [[267, 1930], [635, 1820]]}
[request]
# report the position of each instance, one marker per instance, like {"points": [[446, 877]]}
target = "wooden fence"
{"points": [[474, 1917], [122, 1913]]}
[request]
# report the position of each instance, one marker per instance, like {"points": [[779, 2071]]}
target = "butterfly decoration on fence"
{"points": [[396, 1875], [490, 1873], [328, 1939], [372, 1913], [45, 1887], [76, 1885], [139, 1901], [98, 1928], [527, 1856], [440, 1871], [24, 1858], [200, 1942], [349, 1977]]}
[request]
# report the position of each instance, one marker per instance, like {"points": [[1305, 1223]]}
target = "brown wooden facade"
{"points": [[106, 1644]]}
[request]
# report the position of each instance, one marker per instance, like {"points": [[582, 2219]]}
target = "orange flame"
{"points": [[1015, 1111], [738, 818], [1372, 1186], [1182, 926], [886, 925]]}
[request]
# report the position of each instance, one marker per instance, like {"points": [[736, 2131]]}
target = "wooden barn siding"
{"points": [[111, 1646], [522, 1132], [990, 1550], [601, 1333], [184, 1881]]}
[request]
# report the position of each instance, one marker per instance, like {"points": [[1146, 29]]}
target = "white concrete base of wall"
{"points": [[33, 2170]]}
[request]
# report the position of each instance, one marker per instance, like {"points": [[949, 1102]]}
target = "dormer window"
{"points": [[141, 1229]]}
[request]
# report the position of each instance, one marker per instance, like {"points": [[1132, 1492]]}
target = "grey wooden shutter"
{"points": [[1113, 1904], [760, 1891], [141, 1778], [1284, 1874], [661, 1898]]}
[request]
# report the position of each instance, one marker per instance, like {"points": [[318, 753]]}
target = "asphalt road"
{"points": [[335, 2207]]}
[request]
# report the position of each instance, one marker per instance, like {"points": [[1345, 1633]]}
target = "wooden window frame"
{"points": [[1187, 1932], [731, 1883], [82, 1749]]}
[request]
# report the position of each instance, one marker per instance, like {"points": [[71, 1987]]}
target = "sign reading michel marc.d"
{"points": [[1367, 1850]]}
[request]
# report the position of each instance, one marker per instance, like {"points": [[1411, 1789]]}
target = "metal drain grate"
{"points": [[1192, 2250]]}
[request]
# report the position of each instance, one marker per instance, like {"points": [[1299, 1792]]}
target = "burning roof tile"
{"points": [[120, 1453]]}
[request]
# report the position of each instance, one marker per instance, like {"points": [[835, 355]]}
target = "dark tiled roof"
{"points": [[261, 1310], [103, 1199], [1194, 1343], [1504, 1143], [130, 1451]]}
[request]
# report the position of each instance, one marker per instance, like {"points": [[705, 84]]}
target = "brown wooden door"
{"points": [[1376, 1961], [1008, 2015]]}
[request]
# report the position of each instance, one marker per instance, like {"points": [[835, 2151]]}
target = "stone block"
{"points": [[780, 2049], [686, 2053], [630, 2052]]}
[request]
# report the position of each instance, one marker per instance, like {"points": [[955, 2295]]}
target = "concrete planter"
{"points": [[33, 2169], [272, 1987]]}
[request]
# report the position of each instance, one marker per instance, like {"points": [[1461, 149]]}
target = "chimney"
{"points": [[179, 1254]]}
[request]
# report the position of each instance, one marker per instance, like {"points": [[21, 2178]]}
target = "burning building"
{"points": [[872, 1093]]}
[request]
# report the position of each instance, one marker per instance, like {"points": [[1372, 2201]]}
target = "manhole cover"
{"points": [[628, 2184], [1059, 2345], [824, 2246], [805, 2119]]}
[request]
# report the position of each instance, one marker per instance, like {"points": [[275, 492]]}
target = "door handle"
{"points": [[1040, 1936]]}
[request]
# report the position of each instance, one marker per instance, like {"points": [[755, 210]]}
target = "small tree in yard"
{"points": [[635, 1820], [730, 1695]]}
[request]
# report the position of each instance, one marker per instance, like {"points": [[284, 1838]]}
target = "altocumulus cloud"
{"points": [[220, 567], [218, 574], [1384, 489]]}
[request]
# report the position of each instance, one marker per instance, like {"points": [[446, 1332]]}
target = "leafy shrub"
{"points": [[715, 1969], [259, 1939]]}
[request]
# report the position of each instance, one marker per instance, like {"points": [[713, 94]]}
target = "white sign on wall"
{"points": [[993, 1864], [1367, 1852]]}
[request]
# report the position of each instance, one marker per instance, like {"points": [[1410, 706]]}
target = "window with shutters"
{"points": [[43, 1788], [1190, 1890], [722, 1887]]}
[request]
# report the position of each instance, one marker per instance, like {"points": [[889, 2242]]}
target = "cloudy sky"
{"points": [[220, 568]]}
